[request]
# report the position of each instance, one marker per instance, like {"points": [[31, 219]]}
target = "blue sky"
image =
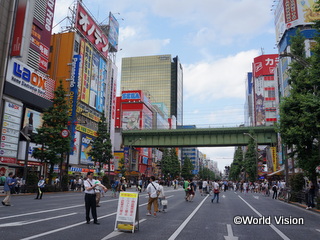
{"points": [[216, 41]]}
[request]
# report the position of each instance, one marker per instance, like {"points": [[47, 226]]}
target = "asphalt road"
{"points": [[236, 216]]}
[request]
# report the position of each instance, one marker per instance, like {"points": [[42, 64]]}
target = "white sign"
{"points": [[127, 211]]}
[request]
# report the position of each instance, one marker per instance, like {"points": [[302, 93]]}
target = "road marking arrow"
{"points": [[223, 196], [256, 197], [230, 233]]}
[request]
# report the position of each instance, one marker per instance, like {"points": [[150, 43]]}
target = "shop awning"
{"points": [[279, 172], [11, 165]]}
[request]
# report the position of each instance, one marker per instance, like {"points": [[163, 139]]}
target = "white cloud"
{"points": [[221, 78]]}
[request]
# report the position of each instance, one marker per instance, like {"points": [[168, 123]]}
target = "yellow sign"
{"points": [[274, 158]]}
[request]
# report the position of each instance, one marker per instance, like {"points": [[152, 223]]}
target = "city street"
{"points": [[236, 216]]}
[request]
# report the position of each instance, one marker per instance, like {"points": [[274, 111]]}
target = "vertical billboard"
{"points": [[86, 75], [10, 132], [91, 30], [17, 40], [94, 81], [41, 31], [74, 80], [260, 115]]}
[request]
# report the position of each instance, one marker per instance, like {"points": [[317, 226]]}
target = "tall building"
{"points": [[159, 77]]}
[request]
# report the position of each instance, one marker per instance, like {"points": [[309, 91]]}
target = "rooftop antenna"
{"points": [[262, 51]]}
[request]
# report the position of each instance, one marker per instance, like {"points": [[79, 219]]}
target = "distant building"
{"points": [[159, 77]]}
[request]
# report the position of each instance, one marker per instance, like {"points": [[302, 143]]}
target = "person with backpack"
{"points": [[186, 188], [153, 192]]}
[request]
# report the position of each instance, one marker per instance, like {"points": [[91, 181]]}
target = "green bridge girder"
{"points": [[199, 137]]}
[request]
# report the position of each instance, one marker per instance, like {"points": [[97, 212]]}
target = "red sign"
{"points": [[18, 28], [91, 30], [265, 64]]}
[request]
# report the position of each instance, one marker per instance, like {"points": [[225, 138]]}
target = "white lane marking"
{"points": [[117, 233], [177, 232], [50, 210], [230, 233], [318, 230], [14, 224], [256, 197], [73, 225], [281, 234]]}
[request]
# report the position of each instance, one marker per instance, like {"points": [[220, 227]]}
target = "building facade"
{"points": [[159, 77]]}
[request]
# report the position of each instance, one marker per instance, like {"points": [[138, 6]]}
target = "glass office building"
{"points": [[161, 79]]}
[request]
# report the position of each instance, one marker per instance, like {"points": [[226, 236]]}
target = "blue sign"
{"points": [[74, 96], [131, 96]]}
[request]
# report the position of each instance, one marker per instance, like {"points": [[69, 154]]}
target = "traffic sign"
{"points": [[65, 133]]}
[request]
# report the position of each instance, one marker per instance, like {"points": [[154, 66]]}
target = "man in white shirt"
{"points": [[153, 191], [90, 198]]}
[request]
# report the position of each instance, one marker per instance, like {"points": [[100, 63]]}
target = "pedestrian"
{"points": [[90, 198], [275, 191], [161, 197], [2, 179], [99, 189], [186, 189], [216, 191], [140, 185], [7, 190], [192, 190], [205, 187], [14, 183], [311, 195], [41, 185], [153, 192], [200, 186], [18, 185]]}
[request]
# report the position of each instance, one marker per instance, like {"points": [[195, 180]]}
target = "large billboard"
{"points": [[113, 31], [32, 121], [291, 13], [265, 65], [27, 78], [130, 120], [91, 30]]}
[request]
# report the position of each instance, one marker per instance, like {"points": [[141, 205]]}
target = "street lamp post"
{"points": [[256, 151]]}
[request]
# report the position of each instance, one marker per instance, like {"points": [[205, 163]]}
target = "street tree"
{"points": [[187, 167], [53, 146], [250, 160], [170, 165], [236, 165], [300, 110], [206, 173], [101, 151]]}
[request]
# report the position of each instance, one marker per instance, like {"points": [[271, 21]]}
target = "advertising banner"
{"points": [[260, 115], [102, 91], [23, 76], [86, 146], [86, 77], [10, 132], [130, 120], [91, 30], [32, 121], [94, 81], [274, 158]]}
